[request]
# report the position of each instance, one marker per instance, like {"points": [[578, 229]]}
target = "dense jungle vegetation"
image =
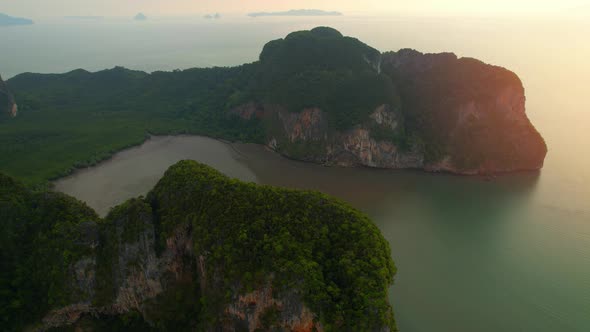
{"points": [[42, 235], [328, 254], [77, 119], [301, 238]]}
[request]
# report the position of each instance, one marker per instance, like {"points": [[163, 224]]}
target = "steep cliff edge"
{"points": [[470, 115], [201, 252], [396, 110], [8, 106]]}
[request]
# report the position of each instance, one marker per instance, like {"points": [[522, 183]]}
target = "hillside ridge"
{"points": [[314, 95]]}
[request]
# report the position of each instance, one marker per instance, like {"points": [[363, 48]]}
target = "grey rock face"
{"points": [[8, 107]]}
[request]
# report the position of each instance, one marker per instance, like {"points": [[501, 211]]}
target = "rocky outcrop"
{"points": [[137, 278], [8, 107], [456, 115], [248, 111], [363, 146], [470, 115], [256, 311], [308, 125], [384, 116], [307, 136], [357, 148]]}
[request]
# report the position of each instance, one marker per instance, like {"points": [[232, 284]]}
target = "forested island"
{"points": [[201, 252], [6, 20], [315, 95]]}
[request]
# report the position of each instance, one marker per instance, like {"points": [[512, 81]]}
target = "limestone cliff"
{"points": [[438, 113], [201, 252], [8, 107], [470, 115], [307, 136], [132, 277]]}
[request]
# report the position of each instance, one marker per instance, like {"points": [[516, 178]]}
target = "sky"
{"points": [[33, 8]]}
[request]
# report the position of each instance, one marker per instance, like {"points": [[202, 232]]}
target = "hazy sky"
{"points": [[188, 7]]}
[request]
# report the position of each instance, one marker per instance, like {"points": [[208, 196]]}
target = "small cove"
{"points": [[135, 171]]}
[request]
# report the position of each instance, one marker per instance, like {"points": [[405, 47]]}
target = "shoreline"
{"points": [[146, 140], [235, 149]]}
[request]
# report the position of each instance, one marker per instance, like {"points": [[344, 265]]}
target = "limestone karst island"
{"points": [[298, 166], [207, 252]]}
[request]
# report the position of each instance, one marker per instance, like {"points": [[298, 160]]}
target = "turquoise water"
{"points": [[512, 254]]}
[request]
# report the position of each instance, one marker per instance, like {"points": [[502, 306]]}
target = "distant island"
{"points": [[297, 12], [140, 17], [6, 20], [215, 16]]}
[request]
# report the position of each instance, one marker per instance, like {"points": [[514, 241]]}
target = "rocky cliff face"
{"points": [[8, 107], [364, 145], [254, 311], [134, 278], [201, 252], [307, 136], [470, 115], [455, 115]]}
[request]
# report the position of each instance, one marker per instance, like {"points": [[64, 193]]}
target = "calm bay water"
{"points": [[473, 255], [512, 254], [136, 171]]}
